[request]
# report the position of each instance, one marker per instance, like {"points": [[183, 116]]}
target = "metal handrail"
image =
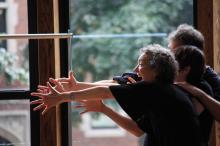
{"points": [[70, 35], [37, 36]]}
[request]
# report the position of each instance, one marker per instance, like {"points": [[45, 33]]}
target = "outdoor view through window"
{"points": [[14, 66], [107, 37], [14, 75]]}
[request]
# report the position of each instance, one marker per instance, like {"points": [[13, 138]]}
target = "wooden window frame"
{"points": [[207, 14], [48, 59], [41, 14]]}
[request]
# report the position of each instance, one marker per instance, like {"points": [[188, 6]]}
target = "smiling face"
{"points": [[143, 69], [156, 64]]}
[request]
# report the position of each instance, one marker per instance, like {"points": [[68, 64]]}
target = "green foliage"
{"points": [[104, 57], [8, 71]]}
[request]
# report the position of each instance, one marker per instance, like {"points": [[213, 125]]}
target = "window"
{"points": [[14, 76], [2, 21], [14, 63], [107, 36]]}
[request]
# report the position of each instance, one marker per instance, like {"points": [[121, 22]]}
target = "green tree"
{"points": [[109, 56], [9, 74], [102, 58]]}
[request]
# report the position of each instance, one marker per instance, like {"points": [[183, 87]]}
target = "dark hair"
{"points": [[187, 35], [191, 56], [162, 61]]}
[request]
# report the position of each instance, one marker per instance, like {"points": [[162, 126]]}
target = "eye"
{"points": [[141, 64]]}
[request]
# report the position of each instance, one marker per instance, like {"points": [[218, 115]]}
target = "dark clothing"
{"points": [[163, 111], [214, 81], [205, 118]]}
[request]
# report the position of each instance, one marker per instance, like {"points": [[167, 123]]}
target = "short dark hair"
{"points": [[191, 56], [187, 35]]}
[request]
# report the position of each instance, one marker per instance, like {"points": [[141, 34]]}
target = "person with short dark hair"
{"points": [[186, 35]]}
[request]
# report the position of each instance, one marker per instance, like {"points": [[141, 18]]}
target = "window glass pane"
{"points": [[2, 27], [14, 68], [108, 35], [14, 123]]}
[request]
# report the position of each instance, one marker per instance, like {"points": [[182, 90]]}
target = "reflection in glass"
{"points": [[14, 123], [108, 35]]}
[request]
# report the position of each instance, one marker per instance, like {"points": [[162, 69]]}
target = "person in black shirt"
{"points": [[187, 35], [159, 107], [191, 70]]}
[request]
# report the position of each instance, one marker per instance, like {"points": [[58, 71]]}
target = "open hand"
{"points": [[48, 100], [69, 83], [45, 89]]}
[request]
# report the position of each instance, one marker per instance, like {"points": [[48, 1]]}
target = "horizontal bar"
{"points": [[70, 35], [14, 94], [135, 35], [36, 36]]}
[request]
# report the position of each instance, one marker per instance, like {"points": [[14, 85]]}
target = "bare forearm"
{"points": [[106, 81], [94, 93], [85, 85], [123, 122], [212, 105]]}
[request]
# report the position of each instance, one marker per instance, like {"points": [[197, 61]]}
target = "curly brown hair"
{"points": [[162, 61]]}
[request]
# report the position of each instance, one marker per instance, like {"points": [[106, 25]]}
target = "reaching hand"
{"points": [[48, 100], [69, 83], [45, 89], [91, 106]]}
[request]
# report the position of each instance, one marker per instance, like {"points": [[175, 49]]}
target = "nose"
{"points": [[168, 46]]}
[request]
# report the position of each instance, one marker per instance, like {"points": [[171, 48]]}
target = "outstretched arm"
{"points": [[54, 97], [71, 84], [124, 122], [211, 104]]}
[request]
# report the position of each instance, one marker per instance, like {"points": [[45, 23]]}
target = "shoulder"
{"points": [[213, 80], [204, 85], [140, 84], [210, 73]]}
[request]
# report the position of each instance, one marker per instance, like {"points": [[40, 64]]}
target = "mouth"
{"points": [[139, 75]]}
